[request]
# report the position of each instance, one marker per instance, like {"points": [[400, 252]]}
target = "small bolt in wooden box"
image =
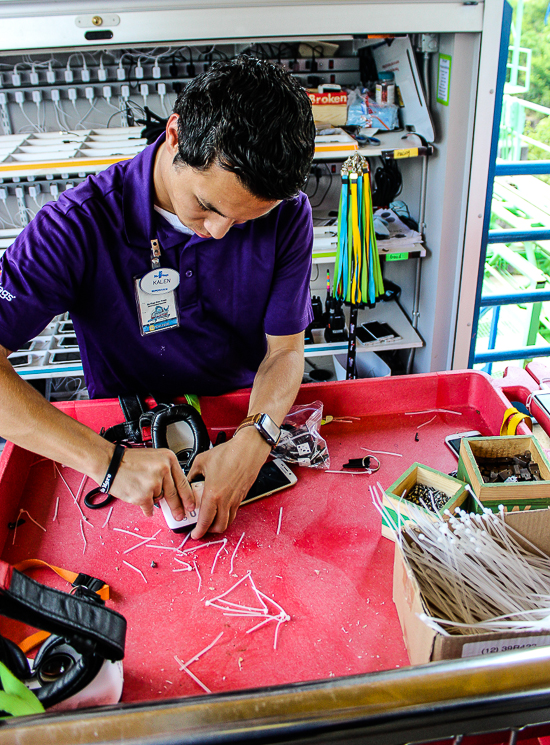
{"points": [[420, 474], [521, 492]]}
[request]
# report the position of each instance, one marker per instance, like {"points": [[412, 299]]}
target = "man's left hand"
{"points": [[229, 471]]}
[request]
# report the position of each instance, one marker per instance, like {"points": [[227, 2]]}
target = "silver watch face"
{"points": [[269, 429]]}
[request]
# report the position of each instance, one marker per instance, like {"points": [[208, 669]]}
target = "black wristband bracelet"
{"points": [[107, 481], [112, 471]]}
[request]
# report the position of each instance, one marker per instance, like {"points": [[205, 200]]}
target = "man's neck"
{"points": [[162, 198]]}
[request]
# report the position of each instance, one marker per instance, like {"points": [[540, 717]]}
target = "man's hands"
{"points": [[229, 470], [147, 474]]}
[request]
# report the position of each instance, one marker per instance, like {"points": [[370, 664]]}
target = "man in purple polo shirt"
{"points": [[214, 206]]}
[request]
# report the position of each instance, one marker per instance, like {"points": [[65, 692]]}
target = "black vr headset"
{"points": [[84, 635], [178, 427]]}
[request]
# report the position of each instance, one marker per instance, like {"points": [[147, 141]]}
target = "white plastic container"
{"points": [[369, 365]]}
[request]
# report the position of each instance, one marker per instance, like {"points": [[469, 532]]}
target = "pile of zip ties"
{"points": [[474, 574]]}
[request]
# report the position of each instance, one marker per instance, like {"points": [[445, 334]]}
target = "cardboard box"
{"points": [[523, 494], [330, 106], [426, 645], [419, 474]]}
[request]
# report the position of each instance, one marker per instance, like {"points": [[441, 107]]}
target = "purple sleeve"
{"points": [[289, 308], [39, 276]]}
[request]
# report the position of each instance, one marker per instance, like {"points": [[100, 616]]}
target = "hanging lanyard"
{"points": [[156, 296]]}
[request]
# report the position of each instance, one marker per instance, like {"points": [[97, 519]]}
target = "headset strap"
{"points": [[76, 580], [86, 623]]}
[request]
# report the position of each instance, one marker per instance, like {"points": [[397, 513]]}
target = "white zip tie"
{"points": [[56, 468], [366, 472], [166, 548], [233, 554], [429, 411], [141, 543], [135, 569], [182, 544], [206, 649], [56, 508], [108, 516], [81, 487], [280, 519], [203, 545], [83, 537], [128, 532], [28, 514], [382, 452], [219, 597], [221, 548], [198, 575], [191, 675], [418, 426]]}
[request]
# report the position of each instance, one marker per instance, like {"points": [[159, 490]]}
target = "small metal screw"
{"points": [[153, 564], [97, 20]]}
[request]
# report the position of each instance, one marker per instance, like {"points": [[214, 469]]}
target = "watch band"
{"points": [[265, 426]]}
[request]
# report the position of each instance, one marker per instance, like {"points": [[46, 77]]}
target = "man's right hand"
{"points": [[31, 422], [147, 474]]}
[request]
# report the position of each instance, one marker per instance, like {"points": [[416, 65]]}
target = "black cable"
{"points": [[320, 202], [387, 183]]}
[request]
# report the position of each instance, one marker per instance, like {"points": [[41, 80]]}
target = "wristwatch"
{"points": [[265, 426]]}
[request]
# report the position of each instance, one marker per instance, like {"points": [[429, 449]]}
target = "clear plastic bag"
{"points": [[300, 442], [364, 112]]}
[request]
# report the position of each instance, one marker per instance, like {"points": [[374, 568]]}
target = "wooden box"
{"points": [[523, 494], [420, 474]]}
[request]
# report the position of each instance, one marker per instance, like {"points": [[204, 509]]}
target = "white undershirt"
{"points": [[174, 220]]}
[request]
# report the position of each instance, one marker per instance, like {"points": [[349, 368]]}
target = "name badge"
{"points": [[158, 310], [159, 281]]}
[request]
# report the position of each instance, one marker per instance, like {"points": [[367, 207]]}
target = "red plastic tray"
{"points": [[328, 568]]}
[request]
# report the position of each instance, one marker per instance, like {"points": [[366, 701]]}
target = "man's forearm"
{"points": [[28, 420], [277, 383]]}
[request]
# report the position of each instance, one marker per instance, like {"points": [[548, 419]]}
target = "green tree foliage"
{"points": [[535, 35]]}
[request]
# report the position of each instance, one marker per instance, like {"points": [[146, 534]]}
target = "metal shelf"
{"points": [[385, 312]]}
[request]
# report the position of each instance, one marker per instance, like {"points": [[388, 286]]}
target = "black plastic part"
{"points": [[98, 35]]}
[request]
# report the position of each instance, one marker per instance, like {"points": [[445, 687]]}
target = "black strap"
{"points": [[89, 626], [133, 406]]}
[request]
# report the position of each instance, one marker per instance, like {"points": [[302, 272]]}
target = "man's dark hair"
{"points": [[252, 118]]}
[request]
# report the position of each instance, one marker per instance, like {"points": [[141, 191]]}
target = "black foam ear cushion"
{"points": [[178, 413], [14, 659]]}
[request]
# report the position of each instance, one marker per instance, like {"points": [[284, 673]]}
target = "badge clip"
{"points": [[155, 254]]}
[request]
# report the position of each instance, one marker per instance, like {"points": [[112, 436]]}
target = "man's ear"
{"points": [[172, 135]]}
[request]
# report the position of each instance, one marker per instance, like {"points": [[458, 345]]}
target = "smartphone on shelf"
{"points": [[453, 441], [273, 477], [381, 331], [365, 336]]}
